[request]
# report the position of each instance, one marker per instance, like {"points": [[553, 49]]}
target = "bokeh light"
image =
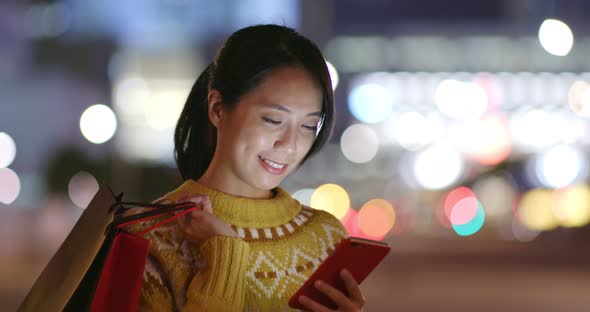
{"points": [[522, 232], [461, 100], [465, 208], [82, 188], [165, 105], [560, 166], [333, 75], [359, 143], [331, 198], [437, 167], [131, 94], [304, 196], [414, 131], [497, 194], [556, 37], [454, 197], [376, 217], [486, 141], [571, 205], [9, 186], [530, 131], [370, 103], [7, 150], [535, 210], [579, 98], [98, 123]]}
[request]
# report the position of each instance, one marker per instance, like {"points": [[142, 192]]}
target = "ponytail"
{"points": [[195, 136]]}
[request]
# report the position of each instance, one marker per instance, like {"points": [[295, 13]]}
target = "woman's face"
{"points": [[269, 132]]}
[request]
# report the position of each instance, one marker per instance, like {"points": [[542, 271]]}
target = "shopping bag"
{"points": [[73, 279], [114, 281], [62, 275]]}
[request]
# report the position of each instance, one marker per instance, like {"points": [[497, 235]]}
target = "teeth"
{"points": [[273, 164]]}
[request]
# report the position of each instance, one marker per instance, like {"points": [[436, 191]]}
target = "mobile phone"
{"points": [[358, 255]]}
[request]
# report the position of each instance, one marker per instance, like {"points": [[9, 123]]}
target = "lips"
{"points": [[272, 166]]}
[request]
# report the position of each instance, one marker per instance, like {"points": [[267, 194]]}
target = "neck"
{"points": [[241, 211], [215, 178]]}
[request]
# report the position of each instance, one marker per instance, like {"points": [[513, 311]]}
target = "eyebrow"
{"points": [[286, 109]]}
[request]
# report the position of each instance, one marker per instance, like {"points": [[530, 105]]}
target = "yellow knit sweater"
{"points": [[280, 244]]}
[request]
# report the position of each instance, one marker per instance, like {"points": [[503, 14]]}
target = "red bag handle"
{"points": [[183, 207]]}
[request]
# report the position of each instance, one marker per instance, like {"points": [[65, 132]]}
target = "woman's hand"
{"points": [[200, 225], [354, 302]]}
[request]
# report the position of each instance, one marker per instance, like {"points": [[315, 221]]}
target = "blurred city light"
{"points": [[535, 210], [331, 198], [7, 150], [359, 143], [9, 186], [333, 75], [437, 167], [130, 95], [414, 131], [579, 98], [82, 188], [486, 140], [560, 166], [571, 205], [304, 196], [47, 20], [370, 103], [461, 100], [98, 123], [463, 211], [530, 131], [522, 232], [556, 37], [497, 194], [376, 217]]}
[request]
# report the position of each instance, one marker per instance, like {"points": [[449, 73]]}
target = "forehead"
{"points": [[292, 87]]}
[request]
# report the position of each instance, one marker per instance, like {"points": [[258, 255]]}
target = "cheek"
{"points": [[256, 140]]}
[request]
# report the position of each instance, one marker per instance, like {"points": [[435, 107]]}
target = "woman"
{"points": [[263, 107]]}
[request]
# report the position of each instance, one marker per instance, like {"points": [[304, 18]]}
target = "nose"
{"points": [[287, 140]]}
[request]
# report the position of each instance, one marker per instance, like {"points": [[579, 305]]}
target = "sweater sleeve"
{"points": [[220, 285], [155, 292]]}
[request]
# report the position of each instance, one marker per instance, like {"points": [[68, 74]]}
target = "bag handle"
{"points": [[183, 207]]}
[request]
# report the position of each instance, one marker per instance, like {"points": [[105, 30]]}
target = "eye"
{"points": [[272, 121], [311, 128]]}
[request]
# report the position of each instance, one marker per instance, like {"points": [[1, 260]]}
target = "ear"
{"points": [[215, 107]]}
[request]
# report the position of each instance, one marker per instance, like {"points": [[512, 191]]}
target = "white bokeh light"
{"points": [[413, 131], [164, 108], [7, 150], [82, 188], [370, 103], [561, 166], [9, 186], [359, 143], [333, 75], [437, 167], [461, 100], [556, 37], [98, 123], [579, 98], [531, 131], [304, 196]]}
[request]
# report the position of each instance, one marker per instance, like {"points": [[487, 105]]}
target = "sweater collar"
{"points": [[243, 211]]}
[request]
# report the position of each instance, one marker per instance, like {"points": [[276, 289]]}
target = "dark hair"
{"points": [[241, 63]]}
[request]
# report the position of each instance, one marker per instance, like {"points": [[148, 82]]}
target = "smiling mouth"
{"points": [[273, 164]]}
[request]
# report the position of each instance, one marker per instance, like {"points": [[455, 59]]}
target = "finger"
{"points": [[312, 305], [336, 295], [206, 204], [352, 287]]}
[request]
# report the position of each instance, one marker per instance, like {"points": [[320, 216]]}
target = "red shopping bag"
{"points": [[114, 280]]}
